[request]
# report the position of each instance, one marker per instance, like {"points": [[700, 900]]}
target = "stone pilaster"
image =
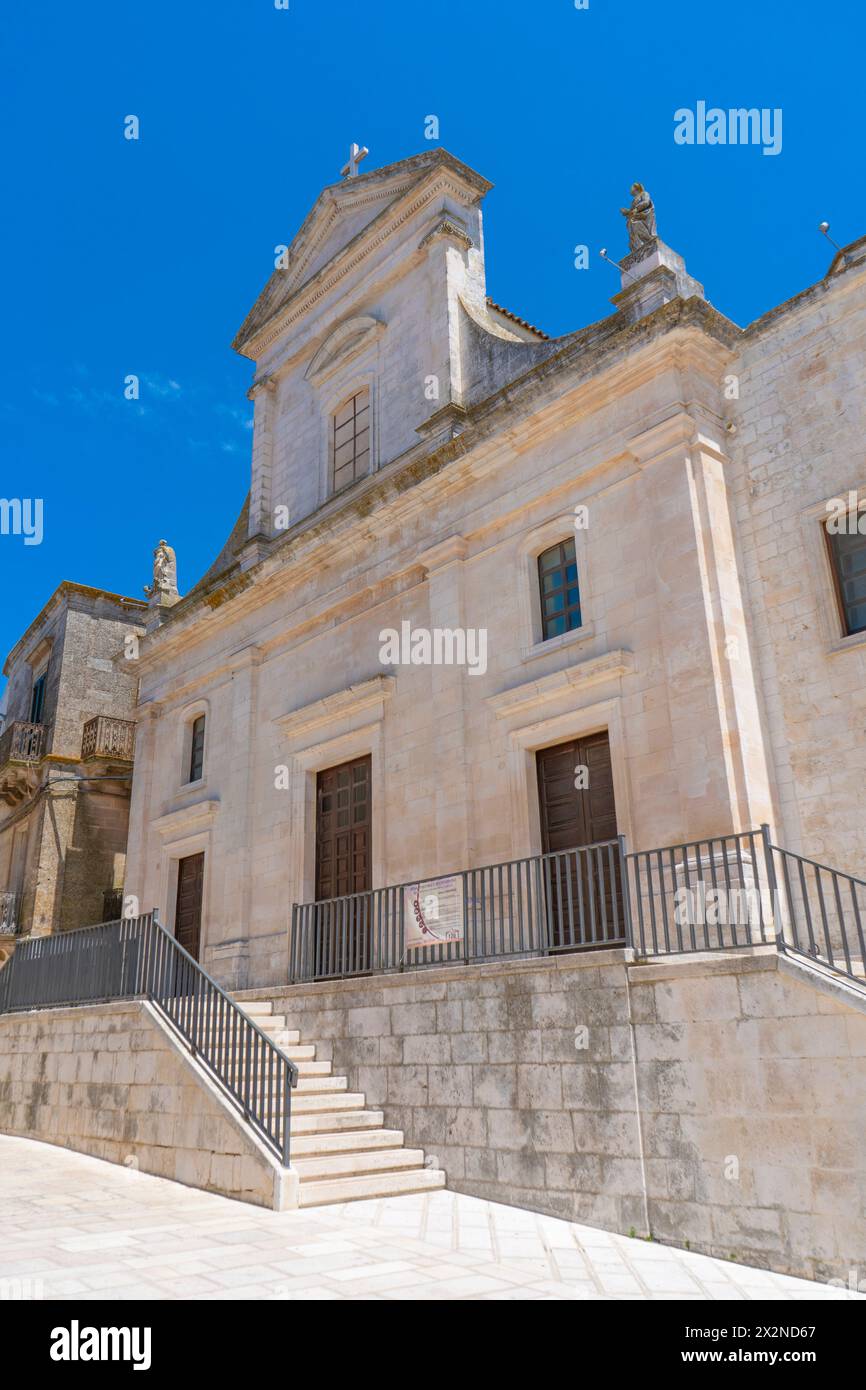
{"points": [[137, 880], [719, 759], [263, 394], [446, 606], [228, 932]]}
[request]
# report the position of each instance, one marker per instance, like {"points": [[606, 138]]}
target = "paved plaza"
{"points": [[74, 1227]]}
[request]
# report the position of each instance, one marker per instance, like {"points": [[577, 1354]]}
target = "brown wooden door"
{"points": [[344, 865], [187, 917], [584, 891]]}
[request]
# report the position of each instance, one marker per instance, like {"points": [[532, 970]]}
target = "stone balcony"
{"points": [[21, 748], [104, 737], [21, 743]]}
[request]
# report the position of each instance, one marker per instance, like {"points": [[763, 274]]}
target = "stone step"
{"points": [[316, 1194], [306, 1070], [275, 1028], [353, 1141], [273, 1023], [280, 1037], [270, 1025], [336, 1101], [334, 1123], [340, 1151], [319, 1085], [352, 1165]]}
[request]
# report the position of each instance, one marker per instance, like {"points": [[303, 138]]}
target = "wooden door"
{"points": [[344, 866], [578, 808], [190, 888]]}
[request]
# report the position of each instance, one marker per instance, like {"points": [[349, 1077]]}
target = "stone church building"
{"points": [[494, 593], [508, 624]]}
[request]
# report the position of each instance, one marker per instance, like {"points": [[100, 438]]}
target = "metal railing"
{"points": [[704, 895], [10, 907], [21, 743], [569, 900], [105, 737], [720, 893], [821, 912], [137, 958]]}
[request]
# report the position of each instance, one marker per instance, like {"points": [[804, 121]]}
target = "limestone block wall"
{"points": [[801, 420], [95, 854], [747, 1094], [110, 1080]]}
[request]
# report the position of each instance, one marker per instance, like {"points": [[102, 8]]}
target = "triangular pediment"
{"points": [[338, 219]]}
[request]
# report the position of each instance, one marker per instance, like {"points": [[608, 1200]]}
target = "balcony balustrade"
{"points": [[21, 743], [105, 737]]}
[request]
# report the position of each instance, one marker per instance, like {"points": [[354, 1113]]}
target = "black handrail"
{"points": [[822, 912], [542, 904], [716, 893], [136, 957]]}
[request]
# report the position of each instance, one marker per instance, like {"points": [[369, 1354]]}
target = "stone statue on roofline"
{"points": [[164, 587], [640, 219]]}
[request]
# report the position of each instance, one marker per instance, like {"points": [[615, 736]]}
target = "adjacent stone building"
{"points": [[615, 541], [66, 754]]}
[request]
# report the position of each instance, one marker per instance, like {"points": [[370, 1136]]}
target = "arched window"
{"points": [[350, 441], [560, 595]]}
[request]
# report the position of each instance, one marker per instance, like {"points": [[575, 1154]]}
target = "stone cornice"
{"points": [[69, 591], [679, 431], [523, 699], [187, 818], [449, 228], [447, 552], [353, 700]]}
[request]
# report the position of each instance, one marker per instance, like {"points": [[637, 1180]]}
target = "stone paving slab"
{"points": [[75, 1227]]}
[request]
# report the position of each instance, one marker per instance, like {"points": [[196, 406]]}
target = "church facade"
{"points": [[493, 593]]}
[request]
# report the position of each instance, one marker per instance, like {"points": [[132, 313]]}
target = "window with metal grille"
{"points": [[350, 441], [848, 561], [560, 595], [196, 750]]}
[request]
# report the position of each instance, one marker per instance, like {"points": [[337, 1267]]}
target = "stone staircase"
{"points": [[340, 1150]]}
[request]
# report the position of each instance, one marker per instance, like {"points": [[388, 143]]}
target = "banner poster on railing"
{"points": [[432, 912]]}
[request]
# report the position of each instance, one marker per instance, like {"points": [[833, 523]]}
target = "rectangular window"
{"points": [[196, 752], [350, 441], [848, 561], [37, 699], [560, 595]]}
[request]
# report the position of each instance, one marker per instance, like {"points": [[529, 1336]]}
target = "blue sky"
{"points": [[143, 257]]}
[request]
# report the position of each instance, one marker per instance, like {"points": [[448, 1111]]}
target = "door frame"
{"points": [[173, 853], [201, 917], [306, 764], [604, 716], [348, 762]]}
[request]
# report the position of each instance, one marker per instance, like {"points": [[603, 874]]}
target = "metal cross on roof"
{"points": [[350, 170]]}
